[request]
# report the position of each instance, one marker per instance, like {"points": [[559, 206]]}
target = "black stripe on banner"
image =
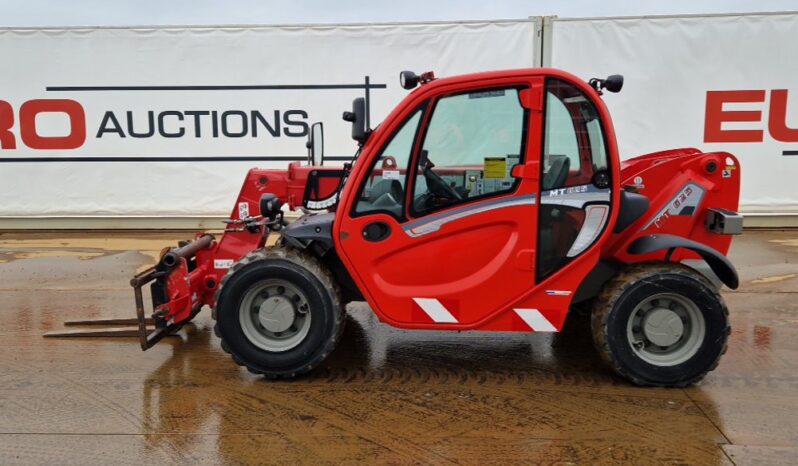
{"points": [[790, 152], [265, 87], [152, 159]]}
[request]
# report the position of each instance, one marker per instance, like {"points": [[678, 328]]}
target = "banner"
{"points": [[718, 83], [166, 121]]}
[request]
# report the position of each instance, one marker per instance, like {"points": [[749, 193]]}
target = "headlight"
{"points": [[270, 206]]}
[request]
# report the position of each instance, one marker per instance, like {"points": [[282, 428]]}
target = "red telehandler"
{"points": [[494, 201]]}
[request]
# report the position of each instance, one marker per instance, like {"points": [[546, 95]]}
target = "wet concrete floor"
{"points": [[385, 395]]}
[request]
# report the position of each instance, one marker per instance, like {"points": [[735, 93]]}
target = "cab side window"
{"points": [[573, 143], [471, 144], [560, 145], [573, 152], [384, 189]]}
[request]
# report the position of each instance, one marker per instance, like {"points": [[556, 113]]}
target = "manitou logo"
{"points": [[754, 130], [28, 132]]}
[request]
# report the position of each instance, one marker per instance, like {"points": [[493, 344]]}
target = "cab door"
{"points": [[440, 229], [575, 198]]}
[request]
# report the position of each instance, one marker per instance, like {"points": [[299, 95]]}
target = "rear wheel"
{"points": [[278, 312], [661, 325]]}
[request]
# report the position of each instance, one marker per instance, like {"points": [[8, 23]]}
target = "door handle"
{"points": [[529, 170], [376, 231]]}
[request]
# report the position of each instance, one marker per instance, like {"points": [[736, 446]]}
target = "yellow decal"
{"points": [[495, 167]]}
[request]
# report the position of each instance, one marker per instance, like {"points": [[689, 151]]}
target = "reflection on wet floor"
{"points": [[384, 395]]}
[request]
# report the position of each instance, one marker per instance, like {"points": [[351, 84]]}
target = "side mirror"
{"points": [[358, 119], [613, 83], [408, 80], [315, 144]]}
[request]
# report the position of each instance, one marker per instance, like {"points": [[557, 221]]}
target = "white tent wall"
{"points": [[161, 192], [670, 63]]}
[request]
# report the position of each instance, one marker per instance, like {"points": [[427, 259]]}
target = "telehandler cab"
{"points": [[493, 201]]}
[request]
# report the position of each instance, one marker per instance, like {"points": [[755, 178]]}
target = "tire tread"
{"points": [[615, 288], [315, 268]]}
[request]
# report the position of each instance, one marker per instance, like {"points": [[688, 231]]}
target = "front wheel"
{"points": [[661, 325], [278, 313]]}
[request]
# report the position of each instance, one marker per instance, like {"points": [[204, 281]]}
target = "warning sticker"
{"points": [[243, 210], [222, 263], [390, 174], [727, 173], [495, 167]]}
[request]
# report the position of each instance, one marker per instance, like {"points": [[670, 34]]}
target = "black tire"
{"points": [[323, 298], [621, 297]]}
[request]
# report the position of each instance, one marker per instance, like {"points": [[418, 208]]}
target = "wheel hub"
{"points": [[276, 314], [663, 327], [666, 329]]}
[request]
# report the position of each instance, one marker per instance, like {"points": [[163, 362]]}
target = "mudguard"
{"points": [[310, 228], [719, 264]]}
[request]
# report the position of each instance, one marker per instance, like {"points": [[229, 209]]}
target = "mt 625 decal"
{"points": [[684, 203]]}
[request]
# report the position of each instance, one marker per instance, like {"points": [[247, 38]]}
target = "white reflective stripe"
{"points": [[535, 320], [435, 310], [595, 218]]}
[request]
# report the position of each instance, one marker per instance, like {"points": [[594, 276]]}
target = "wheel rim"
{"points": [[274, 315], [666, 329]]}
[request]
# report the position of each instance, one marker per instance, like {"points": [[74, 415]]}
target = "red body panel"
{"points": [[663, 176], [187, 291], [480, 268]]}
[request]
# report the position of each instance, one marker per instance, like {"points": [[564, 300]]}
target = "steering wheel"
{"points": [[439, 187], [388, 162]]}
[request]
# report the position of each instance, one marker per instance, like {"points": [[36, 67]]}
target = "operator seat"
{"points": [[557, 173], [386, 195]]}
